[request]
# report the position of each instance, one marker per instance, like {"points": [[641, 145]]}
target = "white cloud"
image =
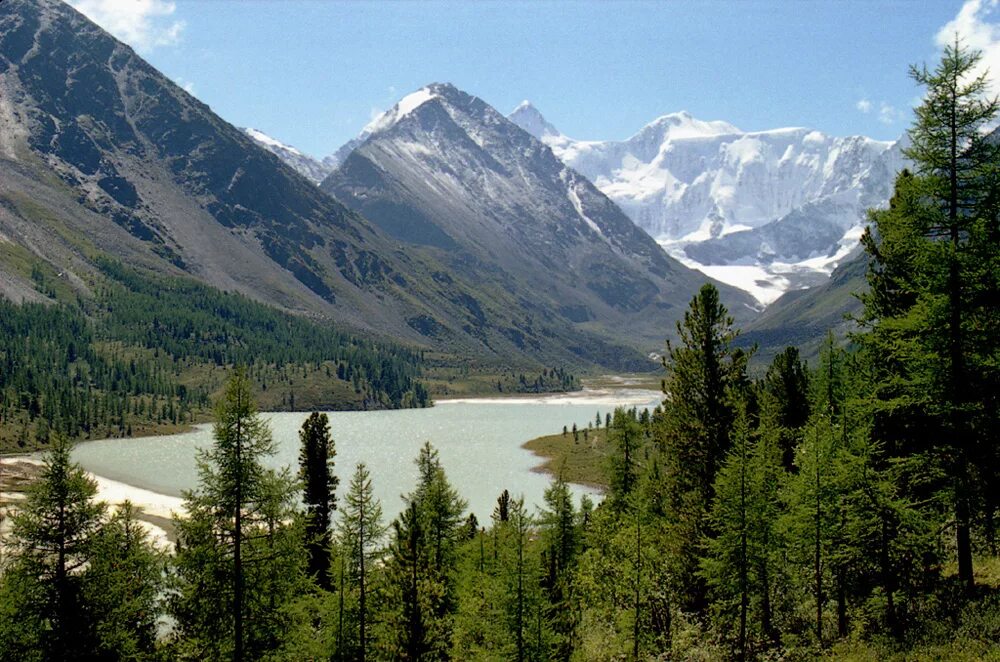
{"points": [[142, 24], [864, 105], [888, 114], [977, 25]]}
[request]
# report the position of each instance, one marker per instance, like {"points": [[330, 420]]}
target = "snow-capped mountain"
{"points": [[309, 167], [767, 211], [445, 170]]}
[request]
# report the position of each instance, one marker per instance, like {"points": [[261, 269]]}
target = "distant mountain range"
{"points": [[445, 170], [766, 211], [525, 261], [769, 211]]}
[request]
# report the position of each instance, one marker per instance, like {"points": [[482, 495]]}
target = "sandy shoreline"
{"points": [[156, 510], [620, 397]]}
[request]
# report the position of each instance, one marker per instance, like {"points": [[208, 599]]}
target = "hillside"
{"points": [[104, 156], [444, 171]]}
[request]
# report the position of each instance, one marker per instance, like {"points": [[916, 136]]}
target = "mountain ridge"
{"points": [[115, 159], [445, 168], [103, 156], [783, 205]]}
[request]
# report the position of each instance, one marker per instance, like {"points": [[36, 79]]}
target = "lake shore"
{"points": [[154, 510]]}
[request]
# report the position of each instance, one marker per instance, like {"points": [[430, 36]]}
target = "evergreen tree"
{"points": [[53, 538], [743, 561], [423, 565], [560, 546], [360, 533], [787, 382], [626, 434], [408, 622], [921, 312], [240, 553], [123, 586], [694, 431], [319, 487], [814, 522]]}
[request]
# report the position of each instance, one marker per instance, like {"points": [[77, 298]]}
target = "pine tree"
{"points": [[240, 555], [53, 538], [424, 562], [924, 294], [626, 435], [360, 531], [743, 560], [787, 382], [319, 487], [407, 619], [696, 420], [560, 546], [122, 587]]}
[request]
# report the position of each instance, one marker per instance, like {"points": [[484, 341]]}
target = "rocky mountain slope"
{"points": [[309, 167], [101, 155], [769, 211], [446, 171]]}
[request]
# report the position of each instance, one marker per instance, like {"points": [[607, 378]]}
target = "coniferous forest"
{"points": [[845, 509], [142, 351]]}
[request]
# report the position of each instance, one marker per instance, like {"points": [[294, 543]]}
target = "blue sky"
{"points": [[312, 73]]}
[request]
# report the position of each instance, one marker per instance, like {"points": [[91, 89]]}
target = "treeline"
{"points": [[141, 353], [554, 380]]}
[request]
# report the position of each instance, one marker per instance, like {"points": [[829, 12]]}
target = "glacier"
{"points": [[765, 211]]}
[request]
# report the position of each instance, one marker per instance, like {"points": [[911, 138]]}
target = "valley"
{"points": [[446, 383]]}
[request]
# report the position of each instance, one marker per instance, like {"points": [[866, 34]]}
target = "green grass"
{"points": [[451, 376], [584, 460]]}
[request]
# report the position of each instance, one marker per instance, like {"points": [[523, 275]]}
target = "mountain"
{"points": [[309, 167], [768, 211], [804, 317], [446, 171], [101, 156]]}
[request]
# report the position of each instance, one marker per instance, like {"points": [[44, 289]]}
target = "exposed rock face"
{"points": [[444, 170], [100, 154]]}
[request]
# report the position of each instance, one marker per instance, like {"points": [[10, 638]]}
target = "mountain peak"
{"points": [[268, 141], [683, 124], [531, 120], [407, 105]]}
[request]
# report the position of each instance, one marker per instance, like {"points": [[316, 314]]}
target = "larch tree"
{"points": [[52, 544], [695, 425], [926, 301], [360, 532], [240, 555]]}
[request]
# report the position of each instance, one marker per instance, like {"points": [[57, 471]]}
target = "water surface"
{"points": [[479, 441]]}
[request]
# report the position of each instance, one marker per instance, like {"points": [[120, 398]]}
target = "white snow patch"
{"points": [[575, 199], [764, 286], [406, 105], [262, 137]]}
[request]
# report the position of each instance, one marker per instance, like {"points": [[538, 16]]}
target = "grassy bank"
{"points": [[583, 460]]}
